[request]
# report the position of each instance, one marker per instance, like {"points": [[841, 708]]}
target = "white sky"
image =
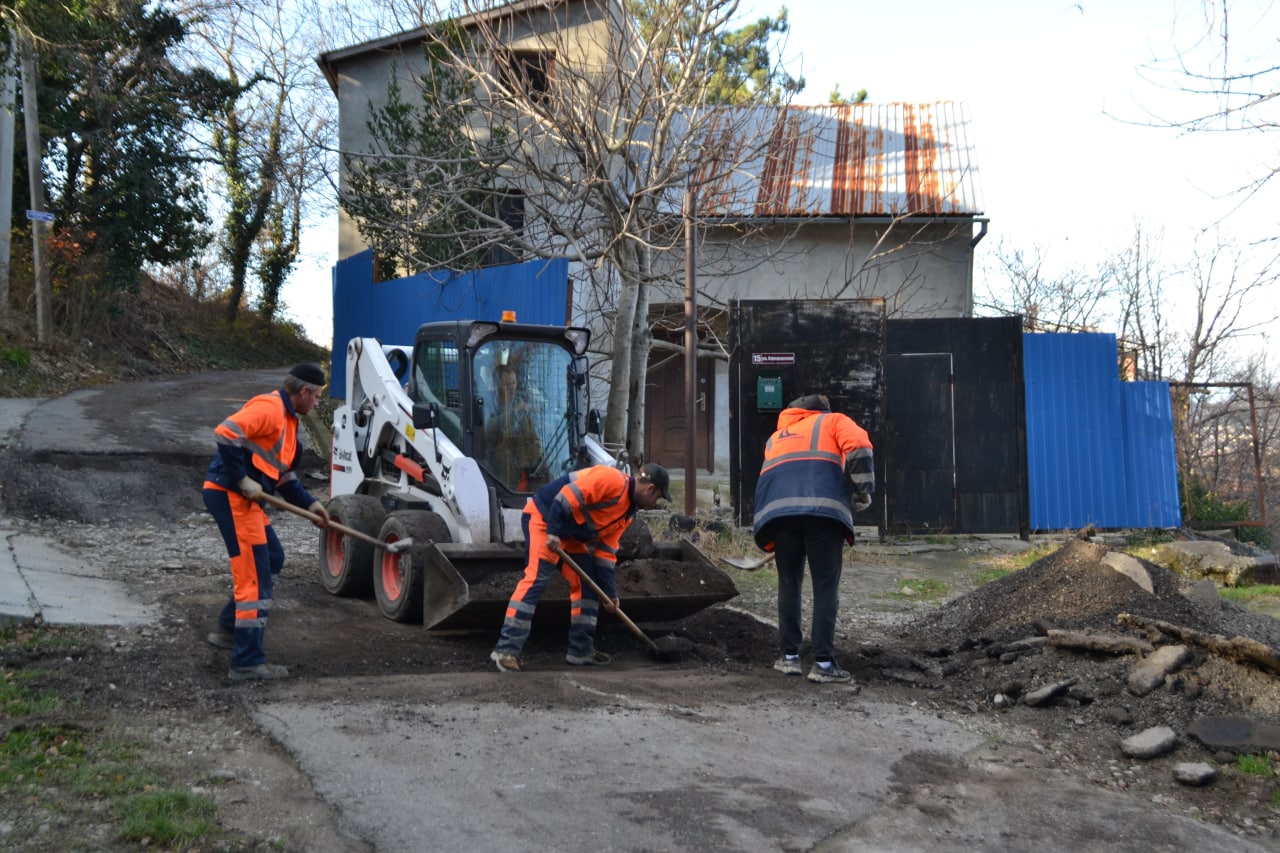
{"points": [[1056, 95]]}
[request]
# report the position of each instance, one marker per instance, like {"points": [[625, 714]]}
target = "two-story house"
{"points": [[867, 201]]}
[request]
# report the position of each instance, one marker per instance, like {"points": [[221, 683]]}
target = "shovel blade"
{"points": [[746, 563]]}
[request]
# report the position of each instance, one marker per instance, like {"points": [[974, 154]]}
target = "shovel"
{"points": [[391, 547], [666, 647], [748, 564]]}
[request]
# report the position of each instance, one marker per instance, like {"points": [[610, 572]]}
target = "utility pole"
{"points": [[690, 359], [6, 168], [37, 215]]}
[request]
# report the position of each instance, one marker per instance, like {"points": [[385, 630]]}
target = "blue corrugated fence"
{"points": [[391, 311], [1099, 451]]}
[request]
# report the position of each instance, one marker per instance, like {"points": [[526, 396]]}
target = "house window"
{"points": [[508, 207], [528, 71]]}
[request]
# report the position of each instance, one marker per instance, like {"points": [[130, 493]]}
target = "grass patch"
{"points": [[1246, 594], [1255, 765], [916, 589], [990, 574], [166, 817], [56, 767]]}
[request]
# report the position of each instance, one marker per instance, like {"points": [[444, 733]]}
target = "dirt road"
{"points": [[392, 739]]}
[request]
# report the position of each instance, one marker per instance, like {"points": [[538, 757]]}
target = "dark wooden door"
{"points": [[667, 417]]}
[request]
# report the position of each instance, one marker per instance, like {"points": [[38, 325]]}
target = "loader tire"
{"points": [[346, 563], [398, 578]]}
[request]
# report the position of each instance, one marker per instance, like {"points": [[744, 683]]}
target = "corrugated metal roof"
{"points": [[843, 160]]}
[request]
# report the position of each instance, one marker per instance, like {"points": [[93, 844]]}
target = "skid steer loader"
{"points": [[442, 443]]}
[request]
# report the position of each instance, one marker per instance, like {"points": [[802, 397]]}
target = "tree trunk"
{"points": [[615, 424]]}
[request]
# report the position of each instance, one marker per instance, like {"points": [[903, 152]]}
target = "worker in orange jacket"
{"points": [[585, 513], [818, 470], [258, 451]]}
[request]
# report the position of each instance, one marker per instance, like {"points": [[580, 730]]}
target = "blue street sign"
{"points": [[39, 215]]}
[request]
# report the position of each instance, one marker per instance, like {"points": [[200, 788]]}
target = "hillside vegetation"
{"points": [[155, 331]]}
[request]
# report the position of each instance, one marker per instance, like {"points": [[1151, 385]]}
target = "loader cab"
{"points": [[511, 396]]}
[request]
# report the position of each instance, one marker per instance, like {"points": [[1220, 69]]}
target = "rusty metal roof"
{"points": [[845, 160]]}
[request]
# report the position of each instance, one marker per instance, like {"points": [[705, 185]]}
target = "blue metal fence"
{"points": [[391, 311], [1099, 451]]}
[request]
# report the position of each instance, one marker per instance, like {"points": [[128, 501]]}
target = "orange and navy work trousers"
{"points": [[541, 565], [256, 558]]}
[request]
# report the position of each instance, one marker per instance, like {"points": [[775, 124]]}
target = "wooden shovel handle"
{"points": [[626, 620], [316, 519]]}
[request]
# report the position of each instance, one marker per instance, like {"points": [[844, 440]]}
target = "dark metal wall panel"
{"points": [[811, 346], [919, 451], [988, 488], [1075, 447], [1151, 466]]}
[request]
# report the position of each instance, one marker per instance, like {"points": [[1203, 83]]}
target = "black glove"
{"points": [[861, 501]]}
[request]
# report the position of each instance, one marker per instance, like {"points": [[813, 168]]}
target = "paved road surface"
{"points": [[646, 759]]}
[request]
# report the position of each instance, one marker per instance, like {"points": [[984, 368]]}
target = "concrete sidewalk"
{"points": [[40, 580]]}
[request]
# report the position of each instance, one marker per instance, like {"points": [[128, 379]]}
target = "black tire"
{"points": [[398, 577], [346, 563]]}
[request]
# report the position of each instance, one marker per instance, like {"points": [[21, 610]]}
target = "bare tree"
{"points": [[264, 138], [586, 137], [1227, 62], [1071, 300]]}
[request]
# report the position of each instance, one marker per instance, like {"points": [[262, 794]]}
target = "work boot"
{"points": [[506, 661], [221, 639], [261, 672], [789, 665], [594, 658], [832, 674]]}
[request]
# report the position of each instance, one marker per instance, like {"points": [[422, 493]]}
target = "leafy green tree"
{"points": [[401, 193], [114, 113], [740, 64], [858, 97]]}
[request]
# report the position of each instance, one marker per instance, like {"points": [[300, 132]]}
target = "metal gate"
{"points": [[784, 349]]}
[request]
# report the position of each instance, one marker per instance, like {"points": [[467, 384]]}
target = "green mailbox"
{"points": [[769, 393]]}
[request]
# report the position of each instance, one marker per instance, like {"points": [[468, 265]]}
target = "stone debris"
{"points": [[1225, 563], [1194, 773], [1151, 743], [1236, 733], [1047, 694], [1130, 567], [1152, 670]]}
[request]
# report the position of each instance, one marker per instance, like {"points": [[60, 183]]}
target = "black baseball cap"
{"points": [[652, 472]]}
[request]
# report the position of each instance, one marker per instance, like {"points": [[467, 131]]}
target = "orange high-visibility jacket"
{"points": [[593, 506], [813, 464], [260, 441]]}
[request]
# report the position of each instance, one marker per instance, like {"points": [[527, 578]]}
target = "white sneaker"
{"points": [[788, 665], [506, 661]]}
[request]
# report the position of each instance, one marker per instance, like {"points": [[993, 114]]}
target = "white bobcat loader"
{"points": [[443, 443]]}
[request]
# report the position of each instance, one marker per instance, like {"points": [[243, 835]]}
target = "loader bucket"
{"points": [[468, 586]]}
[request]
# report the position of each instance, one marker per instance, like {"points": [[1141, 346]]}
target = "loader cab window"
{"points": [[527, 412], [437, 379]]}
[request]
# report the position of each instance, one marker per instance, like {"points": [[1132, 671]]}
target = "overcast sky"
{"points": [[1060, 96]]}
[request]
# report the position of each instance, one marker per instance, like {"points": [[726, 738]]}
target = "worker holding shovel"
{"points": [[585, 513], [818, 470], [258, 451]]}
